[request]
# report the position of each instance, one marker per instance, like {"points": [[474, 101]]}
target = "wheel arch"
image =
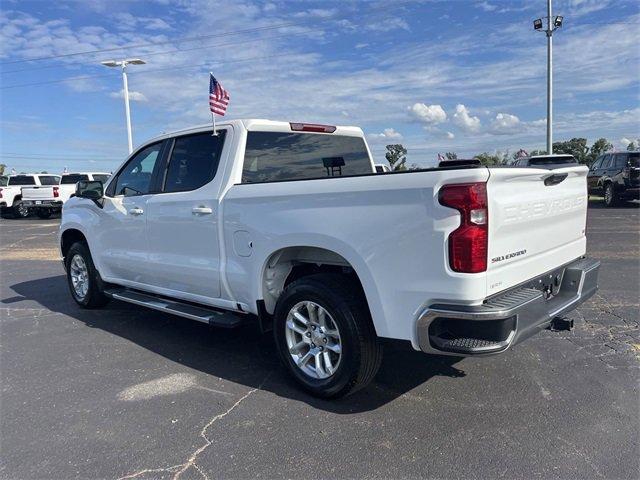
{"points": [[289, 263], [69, 237]]}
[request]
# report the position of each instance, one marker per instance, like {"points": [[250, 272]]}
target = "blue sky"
{"points": [[464, 76]]}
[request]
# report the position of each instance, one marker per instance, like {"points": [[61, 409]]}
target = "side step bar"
{"points": [[203, 314]]}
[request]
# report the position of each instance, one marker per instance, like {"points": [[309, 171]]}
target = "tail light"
{"points": [[56, 192], [468, 244], [0, 193], [312, 127]]}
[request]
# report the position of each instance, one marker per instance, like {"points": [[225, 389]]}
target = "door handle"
{"points": [[201, 211], [136, 211]]}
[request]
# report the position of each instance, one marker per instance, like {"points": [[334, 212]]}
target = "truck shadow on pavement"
{"points": [[242, 355]]}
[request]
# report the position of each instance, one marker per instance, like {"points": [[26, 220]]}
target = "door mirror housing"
{"points": [[92, 190]]}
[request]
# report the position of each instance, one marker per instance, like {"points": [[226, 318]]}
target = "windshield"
{"points": [[101, 177], [551, 160], [22, 180], [73, 178]]}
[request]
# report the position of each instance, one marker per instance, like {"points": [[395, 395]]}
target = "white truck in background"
{"points": [[289, 226], [47, 200], [11, 191]]}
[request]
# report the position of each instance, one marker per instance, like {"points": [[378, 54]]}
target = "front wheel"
{"points": [[610, 199], [83, 278], [325, 336]]}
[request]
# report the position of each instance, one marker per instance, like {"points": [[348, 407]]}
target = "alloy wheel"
{"points": [[313, 340]]}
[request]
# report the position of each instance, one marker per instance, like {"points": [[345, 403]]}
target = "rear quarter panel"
{"points": [[390, 228]]}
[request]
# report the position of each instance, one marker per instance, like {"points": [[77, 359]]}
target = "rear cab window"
{"points": [[22, 180], [49, 180], [552, 160], [279, 156], [101, 177]]}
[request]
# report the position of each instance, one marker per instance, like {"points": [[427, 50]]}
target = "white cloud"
{"points": [[387, 134], [465, 121], [505, 124], [428, 114], [133, 96], [450, 135], [625, 142], [486, 6]]}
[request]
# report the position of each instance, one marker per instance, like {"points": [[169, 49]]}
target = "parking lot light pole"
{"points": [[123, 64], [552, 25]]}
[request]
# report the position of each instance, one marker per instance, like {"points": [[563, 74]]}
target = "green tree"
{"points": [[451, 155], [631, 147], [396, 156], [2, 167], [598, 148], [488, 160], [576, 147]]}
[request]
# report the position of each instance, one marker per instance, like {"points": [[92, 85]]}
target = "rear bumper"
{"points": [[43, 203], [509, 317]]}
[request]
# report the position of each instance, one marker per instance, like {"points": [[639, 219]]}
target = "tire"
{"points": [[44, 214], [346, 309], [610, 198], [78, 258], [20, 210]]}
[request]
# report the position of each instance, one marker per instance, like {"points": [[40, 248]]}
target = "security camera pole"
{"points": [[123, 64], [552, 25]]}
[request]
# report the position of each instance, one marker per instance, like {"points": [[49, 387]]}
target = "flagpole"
{"points": [[213, 115]]}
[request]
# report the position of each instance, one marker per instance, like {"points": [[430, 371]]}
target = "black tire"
{"points": [[20, 210], [610, 198], [94, 297], [44, 214], [361, 349]]}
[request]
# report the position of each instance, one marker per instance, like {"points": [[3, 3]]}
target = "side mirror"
{"points": [[92, 190]]}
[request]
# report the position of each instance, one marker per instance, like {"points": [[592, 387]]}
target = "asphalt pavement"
{"points": [[126, 392]]}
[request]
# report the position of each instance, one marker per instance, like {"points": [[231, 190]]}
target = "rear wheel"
{"points": [[20, 210], [610, 199], [325, 336], [83, 278]]}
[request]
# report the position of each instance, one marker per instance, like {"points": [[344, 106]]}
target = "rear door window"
{"points": [[22, 180], [49, 180], [634, 159], [194, 161], [621, 160], [276, 156], [74, 178]]}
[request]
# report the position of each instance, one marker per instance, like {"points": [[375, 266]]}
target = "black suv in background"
{"points": [[616, 176]]}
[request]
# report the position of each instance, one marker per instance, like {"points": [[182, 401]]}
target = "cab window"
{"points": [[136, 176], [22, 180], [194, 161]]}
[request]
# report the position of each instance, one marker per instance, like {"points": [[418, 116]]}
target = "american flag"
{"points": [[218, 96]]}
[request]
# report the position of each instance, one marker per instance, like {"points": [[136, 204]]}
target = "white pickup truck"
{"points": [[11, 191], [288, 225], [47, 200]]}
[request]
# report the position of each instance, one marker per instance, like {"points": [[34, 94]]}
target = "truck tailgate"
{"points": [[37, 193], [537, 222]]}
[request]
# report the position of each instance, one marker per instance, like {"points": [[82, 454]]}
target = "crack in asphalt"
{"points": [[179, 469]]}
